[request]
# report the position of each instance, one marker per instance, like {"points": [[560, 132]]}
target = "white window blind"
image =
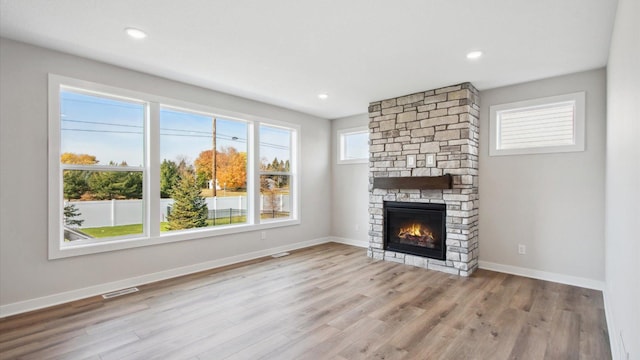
{"points": [[546, 125], [537, 126]]}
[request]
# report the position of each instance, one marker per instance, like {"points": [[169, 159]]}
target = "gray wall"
{"points": [[350, 193], [25, 272], [623, 183], [552, 203]]}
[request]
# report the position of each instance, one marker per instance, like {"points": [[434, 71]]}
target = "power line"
{"points": [[225, 137], [101, 123]]}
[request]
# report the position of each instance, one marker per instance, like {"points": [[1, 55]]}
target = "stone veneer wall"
{"points": [[442, 122]]}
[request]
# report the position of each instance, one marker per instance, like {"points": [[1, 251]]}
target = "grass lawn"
{"points": [[109, 231], [121, 230]]}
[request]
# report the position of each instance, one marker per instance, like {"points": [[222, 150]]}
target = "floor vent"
{"points": [[119, 293], [279, 255]]}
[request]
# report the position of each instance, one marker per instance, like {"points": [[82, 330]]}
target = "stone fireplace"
{"points": [[424, 154]]}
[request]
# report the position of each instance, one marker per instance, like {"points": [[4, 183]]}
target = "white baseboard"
{"points": [[358, 243], [61, 298], [543, 275]]}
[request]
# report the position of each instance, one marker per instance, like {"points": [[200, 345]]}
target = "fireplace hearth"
{"points": [[415, 228]]}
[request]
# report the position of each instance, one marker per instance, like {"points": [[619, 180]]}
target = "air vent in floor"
{"points": [[278, 255], [119, 293]]}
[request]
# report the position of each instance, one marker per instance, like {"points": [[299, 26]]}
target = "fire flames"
{"points": [[415, 233]]}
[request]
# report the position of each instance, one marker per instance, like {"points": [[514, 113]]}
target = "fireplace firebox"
{"points": [[415, 228]]}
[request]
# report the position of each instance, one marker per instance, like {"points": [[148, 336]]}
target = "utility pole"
{"points": [[213, 160]]}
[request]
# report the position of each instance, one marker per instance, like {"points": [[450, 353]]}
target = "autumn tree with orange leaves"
{"points": [[78, 159], [231, 167]]}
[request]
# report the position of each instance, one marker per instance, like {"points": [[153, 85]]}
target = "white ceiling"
{"points": [[285, 52]]}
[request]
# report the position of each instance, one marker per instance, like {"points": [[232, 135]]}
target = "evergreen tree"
{"points": [[189, 208], [108, 185], [71, 212], [132, 186], [75, 184], [168, 177]]}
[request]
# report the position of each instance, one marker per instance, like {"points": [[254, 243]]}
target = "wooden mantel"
{"points": [[414, 182]]}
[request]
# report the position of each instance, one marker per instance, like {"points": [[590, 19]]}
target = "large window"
{"points": [[102, 161], [129, 169], [546, 125], [190, 168]]}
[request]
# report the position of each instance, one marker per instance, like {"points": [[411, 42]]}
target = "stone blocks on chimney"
{"points": [[442, 123]]}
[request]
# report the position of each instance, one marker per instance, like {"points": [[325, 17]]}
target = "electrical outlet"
{"points": [[431, 160], [357, 227], [522, 249], [411, 161], [263, 235]]}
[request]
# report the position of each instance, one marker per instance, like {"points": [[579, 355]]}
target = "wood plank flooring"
{"points": [[325, 302]]}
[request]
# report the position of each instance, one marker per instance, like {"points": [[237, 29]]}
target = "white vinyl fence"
{"points": [[127, 212]]}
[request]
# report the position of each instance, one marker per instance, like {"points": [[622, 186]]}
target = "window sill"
{"points": [[134, 242], [536, 150], [355, 161]]}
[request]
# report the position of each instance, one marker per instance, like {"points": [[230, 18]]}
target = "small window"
{"points": [[353, 146], [546, 125]]}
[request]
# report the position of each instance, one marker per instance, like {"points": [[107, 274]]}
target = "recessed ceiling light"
{"points": [[136, 33], [323, 96], [474, 55]]}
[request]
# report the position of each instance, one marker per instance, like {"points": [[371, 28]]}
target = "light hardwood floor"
{"points": [[325, 302]]}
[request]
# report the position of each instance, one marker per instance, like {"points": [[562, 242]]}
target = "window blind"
{"points": [[537, 126]]}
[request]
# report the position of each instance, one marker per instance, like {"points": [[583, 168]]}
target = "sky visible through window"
{"points": [[274, 143], [183, 135], [112, 130], [356, 145]]}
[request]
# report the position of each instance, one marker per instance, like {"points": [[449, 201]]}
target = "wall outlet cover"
{"points": [[431, 160], [411, 161]]}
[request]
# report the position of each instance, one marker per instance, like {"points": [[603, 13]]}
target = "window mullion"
{"points": [[152, 175], [115, 168], [253, 187]]}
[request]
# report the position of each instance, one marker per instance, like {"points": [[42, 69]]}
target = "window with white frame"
{"points": [[545, 125], [276, 155], [187, 161], [129, 169], [353, 145]]}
